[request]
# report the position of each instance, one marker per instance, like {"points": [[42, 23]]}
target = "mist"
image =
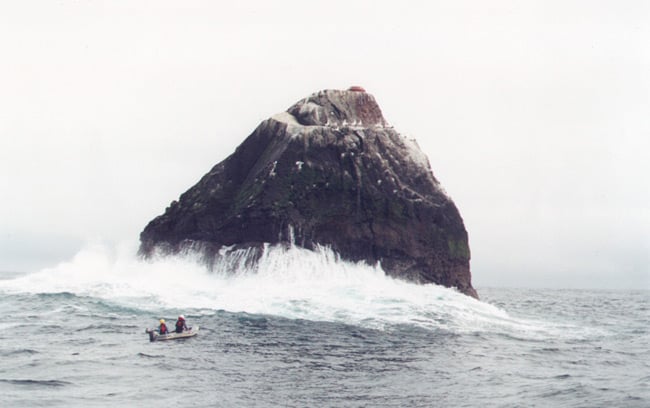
{"points": [[534, 117]]}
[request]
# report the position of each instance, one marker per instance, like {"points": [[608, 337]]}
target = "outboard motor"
{"points": [[152, 335]]}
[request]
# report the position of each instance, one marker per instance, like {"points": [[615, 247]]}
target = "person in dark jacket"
{"points": [[163, 327], [180, 324]]}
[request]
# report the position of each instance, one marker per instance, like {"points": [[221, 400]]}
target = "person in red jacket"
{"points": [[180, 324], [163, 327]]}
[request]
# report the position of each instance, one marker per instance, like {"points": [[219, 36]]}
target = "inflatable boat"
{"points": [[155, 336]]}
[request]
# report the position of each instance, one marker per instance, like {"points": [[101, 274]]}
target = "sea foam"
{"points": [[288, 281]]}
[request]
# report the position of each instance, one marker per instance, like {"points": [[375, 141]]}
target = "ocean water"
{"points": [[306, 329]]}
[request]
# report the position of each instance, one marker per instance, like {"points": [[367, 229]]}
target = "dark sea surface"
{"points": [[307, 330]]}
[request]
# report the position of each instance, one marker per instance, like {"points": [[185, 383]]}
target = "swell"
{"points": [[288, 282], [8, 353], [35, 383]]}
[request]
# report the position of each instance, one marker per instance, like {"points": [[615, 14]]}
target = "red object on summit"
{"points": [[356, 89]]}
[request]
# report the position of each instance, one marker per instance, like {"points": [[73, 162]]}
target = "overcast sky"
{"points": [[535, 116]]}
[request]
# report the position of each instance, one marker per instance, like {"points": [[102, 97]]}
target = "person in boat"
{"points": [[180, 324], [163, 327]]}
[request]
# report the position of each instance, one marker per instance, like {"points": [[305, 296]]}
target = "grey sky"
{"points": [[535, 116]]}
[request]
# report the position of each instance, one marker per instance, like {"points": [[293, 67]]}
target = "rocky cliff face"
{"points": [[328, 171]]}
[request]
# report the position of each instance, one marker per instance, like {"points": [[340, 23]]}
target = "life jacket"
{"points": [[163, 328], [180, 325]]}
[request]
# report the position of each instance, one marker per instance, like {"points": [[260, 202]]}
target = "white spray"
{"points": [[289, 281]]}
